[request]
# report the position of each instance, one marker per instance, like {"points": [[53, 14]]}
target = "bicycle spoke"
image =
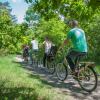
{"points": [[50, 67], [88, 79], [61, 72]]}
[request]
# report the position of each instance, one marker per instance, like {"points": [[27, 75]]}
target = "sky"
{"points": [[19, 8]]}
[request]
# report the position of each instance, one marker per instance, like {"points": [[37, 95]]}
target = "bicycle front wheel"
{"points": [[51, 67], [61, 71], [87, 79]]}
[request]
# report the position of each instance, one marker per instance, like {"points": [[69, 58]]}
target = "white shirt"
{"points": [[34, 44], [48, 45]]}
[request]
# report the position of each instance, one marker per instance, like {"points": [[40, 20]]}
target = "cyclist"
{"points": [[78, 39], [25, 52], [34, 48]]}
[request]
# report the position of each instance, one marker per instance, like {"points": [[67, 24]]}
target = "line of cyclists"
{"points": [[33, 50], [83, 73], [77, 37]]}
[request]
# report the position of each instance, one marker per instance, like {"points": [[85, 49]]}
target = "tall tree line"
{"points": [[11, 33], [87, 12]]}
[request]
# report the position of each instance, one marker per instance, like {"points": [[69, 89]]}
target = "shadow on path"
{"points": [[69, 86]]}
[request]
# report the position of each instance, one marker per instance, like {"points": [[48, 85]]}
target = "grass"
{"points": [[17, 83], [97, 68]]}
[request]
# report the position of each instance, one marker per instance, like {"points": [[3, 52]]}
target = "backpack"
{"points": [[52, 53], [53, 50]]}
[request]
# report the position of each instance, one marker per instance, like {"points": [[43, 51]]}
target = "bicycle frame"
{"points": [[83, 72]]}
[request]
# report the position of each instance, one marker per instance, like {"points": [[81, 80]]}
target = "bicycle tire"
{"points": [[96, 81], [61, 68]]}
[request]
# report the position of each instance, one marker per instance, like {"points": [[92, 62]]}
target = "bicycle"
{"points": [[50, 60], [86, 75], [50, 64]]}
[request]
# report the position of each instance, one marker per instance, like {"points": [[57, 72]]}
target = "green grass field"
{"points": [[17, 83]]}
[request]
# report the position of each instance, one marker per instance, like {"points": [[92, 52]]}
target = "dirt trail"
{"points": [[69, 87]]}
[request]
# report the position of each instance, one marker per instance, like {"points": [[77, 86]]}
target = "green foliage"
{"points": [[30, 16], [69, 8], [80, 11], [42, 20], [18, 83], [94, 4], [53, 28], [87, 13], [10, 32], [93, 30]]}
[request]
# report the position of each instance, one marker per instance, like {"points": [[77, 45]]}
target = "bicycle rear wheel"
{"points": [[61, 71], [87, 79]]}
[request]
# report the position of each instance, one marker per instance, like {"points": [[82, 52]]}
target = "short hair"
{"points": [[47, 38], [33, 38], [74, 22]]}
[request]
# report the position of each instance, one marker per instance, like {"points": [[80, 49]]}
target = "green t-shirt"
{"points": [[78, 39]]}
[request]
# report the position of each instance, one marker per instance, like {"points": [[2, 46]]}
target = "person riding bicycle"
{"points": [[78, 39]]}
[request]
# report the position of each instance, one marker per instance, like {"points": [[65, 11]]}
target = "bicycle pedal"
{"points": [[75, 77]]}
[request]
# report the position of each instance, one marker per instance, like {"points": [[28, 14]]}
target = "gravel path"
{"points": [[69, 87]]}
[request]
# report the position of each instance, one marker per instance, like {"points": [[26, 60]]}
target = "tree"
{"points": [[93, 36], [10, 32], [94, 3], [85, 11], [6, 6], [69, 8], [52, 28]]}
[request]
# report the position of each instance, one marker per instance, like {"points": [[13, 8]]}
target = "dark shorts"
{"points": [[73, 57], [74, 54]]}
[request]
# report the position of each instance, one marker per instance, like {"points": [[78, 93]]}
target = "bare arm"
{"points": [[42, 45], [64, 43]]}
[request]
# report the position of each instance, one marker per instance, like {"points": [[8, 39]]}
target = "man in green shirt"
{"points": [[77, 37]]}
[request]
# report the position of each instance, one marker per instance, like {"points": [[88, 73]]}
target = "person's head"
{"points": [[73, 23], [24, 45], [46, 38], [33, 38]]}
